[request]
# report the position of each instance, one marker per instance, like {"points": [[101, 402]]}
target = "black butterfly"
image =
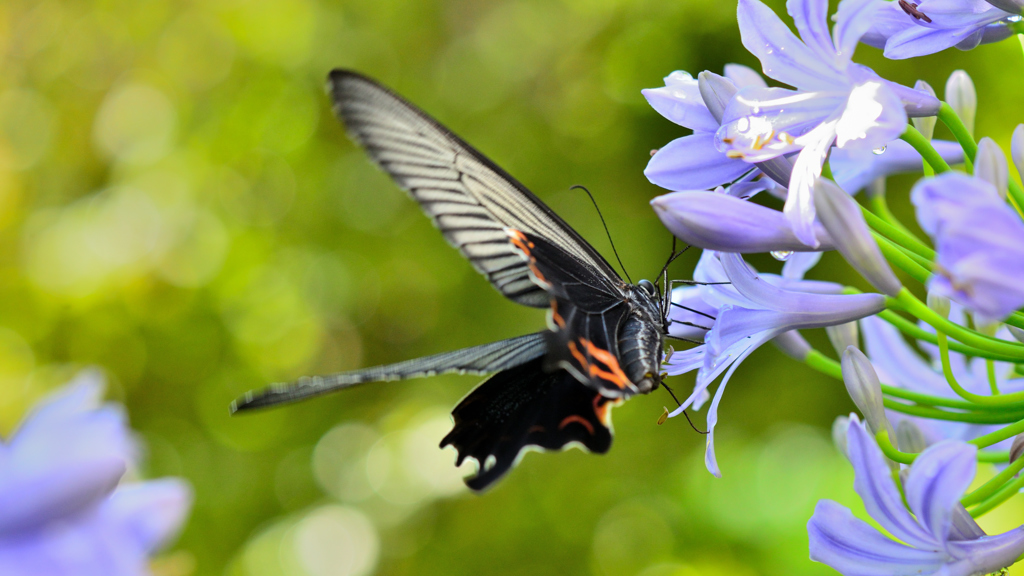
{"points": [[554, 388]]}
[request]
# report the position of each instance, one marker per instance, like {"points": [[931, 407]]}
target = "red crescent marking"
{"points": [[574, 418]]}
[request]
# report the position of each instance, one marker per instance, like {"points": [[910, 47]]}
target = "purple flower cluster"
{"points": [[838, 129], [63, 507]]}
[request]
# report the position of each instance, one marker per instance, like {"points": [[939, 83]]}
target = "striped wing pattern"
{"points": [[469, 198], [483, 359]]}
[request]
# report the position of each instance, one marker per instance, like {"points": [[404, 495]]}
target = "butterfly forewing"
{"points": [[470, 199]]}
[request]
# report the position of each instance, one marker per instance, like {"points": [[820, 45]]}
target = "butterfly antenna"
{"points": [[673, 395], [603, 223]]}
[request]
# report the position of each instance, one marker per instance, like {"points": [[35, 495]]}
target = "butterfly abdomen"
{"points": [[640, 347]]}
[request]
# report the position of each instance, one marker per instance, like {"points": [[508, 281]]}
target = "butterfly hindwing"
{"points": [[587, 311], [483, 359], [525, 407], [469, 198]]}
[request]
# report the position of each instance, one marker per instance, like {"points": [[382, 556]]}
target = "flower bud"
{"points": [[909, 437], [845, 224], [865, 390], [926, 124], [793, 345], [842, 336], [716, 91], [1017, 333], [962, 97], [876, 189], [839, 430], [727, 224], [938, 304], [1017, 448], [990, 165], [1017, 149]]}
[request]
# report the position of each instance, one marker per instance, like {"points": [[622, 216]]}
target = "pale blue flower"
{"points": [[61, 509], [935, 25], [750, 310], [979, 243], [835, 101], [855, 169], [936, 535]]}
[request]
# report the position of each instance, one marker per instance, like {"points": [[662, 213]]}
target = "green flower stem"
{"points": [[963, 136], [818, 361], [925, 149], [1014, 400], [888, 225], [903, 260], [915, 331], [906, 301], [890, 451], [993, 384], [994, 484], [969, 417], [998, 498], [999, 435]]}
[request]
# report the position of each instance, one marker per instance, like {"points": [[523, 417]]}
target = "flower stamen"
{"points": [[911, 9]]}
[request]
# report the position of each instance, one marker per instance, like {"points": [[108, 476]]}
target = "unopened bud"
{"points": [[716, 91], [962, 97], [1017, 333], [909, 437], [1017, 448], [842, 336], [865, 390], [839, 430], [926, 124], [1011, 6], [841, 216], [990, 165], [938, 304]]}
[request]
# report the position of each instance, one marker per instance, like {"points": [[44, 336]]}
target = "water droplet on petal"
{"points": [[781, 255], [878, 151], [1014, 18]]}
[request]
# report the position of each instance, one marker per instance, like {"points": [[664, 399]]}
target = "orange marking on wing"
{"points": [[614, 373], [535, 428], [520, 241], [584, 363], [574, 418], [559, 321]]}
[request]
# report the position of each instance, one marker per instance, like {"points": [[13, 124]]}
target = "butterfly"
{"points": [[551, 389]]}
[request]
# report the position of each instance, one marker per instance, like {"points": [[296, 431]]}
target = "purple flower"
{"points": [[979, 243], [61, 510], [855, 169], [692, 162], [935, 25], [938, 538], [748, 311], [835, 101]]}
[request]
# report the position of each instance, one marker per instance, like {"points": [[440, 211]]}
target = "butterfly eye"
{"points": [[648, 286]]}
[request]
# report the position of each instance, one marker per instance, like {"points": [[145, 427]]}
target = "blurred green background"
{"points": [[179, 207]]}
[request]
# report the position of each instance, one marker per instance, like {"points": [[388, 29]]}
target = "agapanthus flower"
{"points": [[62, 510], [835, 101], [907, 30], [748, 310], [692, 162], [979, 243], [936, 535]]}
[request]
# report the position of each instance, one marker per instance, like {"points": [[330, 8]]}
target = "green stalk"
{"points": [[999, 435], [1014, 400], [902, 260], [937, 414], [925, 149], [915, 331], [906, 301], [998, 498], [888, 225], [994, 484]]}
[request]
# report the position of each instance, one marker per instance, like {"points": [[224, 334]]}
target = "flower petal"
{"points": [[150, 513], [872, 117], [743, 76], [799, 263], [680, 101], [799, 207], [852, 546], [763, 123], [873, 482], [783, 56], [938, 479], [988, 554], [693, 163], [811, 19], [853, 19], [855, 169]]}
